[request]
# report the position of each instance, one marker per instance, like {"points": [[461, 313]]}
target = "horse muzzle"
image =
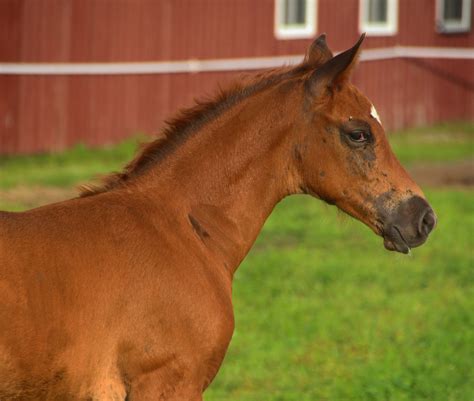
{"points": [[409, 225]]}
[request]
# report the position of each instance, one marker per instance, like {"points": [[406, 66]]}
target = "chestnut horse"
{"points": [[125, 292]]}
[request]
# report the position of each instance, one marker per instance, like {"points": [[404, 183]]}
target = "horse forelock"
{"points": [[190, 120]]}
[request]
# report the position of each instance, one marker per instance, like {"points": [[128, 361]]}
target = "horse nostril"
{"points": [[427, 222]]}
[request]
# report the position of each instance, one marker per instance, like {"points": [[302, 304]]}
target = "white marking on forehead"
{"points": [[374, 114]]}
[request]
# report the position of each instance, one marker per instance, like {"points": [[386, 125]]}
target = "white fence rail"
{"points": [[231, 64]]}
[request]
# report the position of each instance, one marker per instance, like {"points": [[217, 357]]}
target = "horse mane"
{"points": [[187, 121]]}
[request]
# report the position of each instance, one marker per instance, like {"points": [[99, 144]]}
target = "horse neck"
{"points": [[228, 177]]}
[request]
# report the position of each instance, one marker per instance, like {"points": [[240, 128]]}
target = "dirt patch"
{"points": [[30, 197], [459, 174]]}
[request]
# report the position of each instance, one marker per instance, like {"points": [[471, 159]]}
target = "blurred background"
{"points": [[323, 312]]}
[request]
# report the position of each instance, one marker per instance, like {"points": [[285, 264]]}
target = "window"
{"points": [[378, 17], [295, 19], [453, 16]]}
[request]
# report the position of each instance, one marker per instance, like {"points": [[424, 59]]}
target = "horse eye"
{"points": [[358, 136]]}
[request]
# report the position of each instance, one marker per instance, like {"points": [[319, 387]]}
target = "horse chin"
{"points": [[394, 241]]}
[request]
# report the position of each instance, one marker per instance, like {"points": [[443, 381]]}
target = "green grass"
{"points": [[12, 206], [324, 312], [449, 141], [443, 142], [65, 169]]}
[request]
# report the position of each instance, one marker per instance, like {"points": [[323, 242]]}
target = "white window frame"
{"points": [[464, 25], [373, 29], [304, 32]]}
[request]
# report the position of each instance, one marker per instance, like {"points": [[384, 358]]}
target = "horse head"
{"points": [[344, 156]]}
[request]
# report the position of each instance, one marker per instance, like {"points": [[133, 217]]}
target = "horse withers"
{"points": [[124, 293]]}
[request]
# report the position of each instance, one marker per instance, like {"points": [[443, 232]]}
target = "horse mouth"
{"points": [[393, 241], [408, 226]]}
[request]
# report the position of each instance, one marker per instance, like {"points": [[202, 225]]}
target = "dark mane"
{"points": [[178, 129]]}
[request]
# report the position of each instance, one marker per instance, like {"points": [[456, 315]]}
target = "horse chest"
{"points": [[180, 348]]}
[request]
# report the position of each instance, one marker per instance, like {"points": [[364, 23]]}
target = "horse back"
{"points": [[57, 283]]}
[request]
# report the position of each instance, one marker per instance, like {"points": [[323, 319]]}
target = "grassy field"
{"points": [[64, 169], [323, 311], [440, 143]]}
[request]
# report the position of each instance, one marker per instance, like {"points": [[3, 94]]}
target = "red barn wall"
{"points": [[40, 113]]}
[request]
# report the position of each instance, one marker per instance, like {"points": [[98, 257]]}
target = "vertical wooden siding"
{"points": [[39, 113]]}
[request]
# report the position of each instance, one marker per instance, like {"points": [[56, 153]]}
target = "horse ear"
{"points": [[318, 53], [335, 71]]}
